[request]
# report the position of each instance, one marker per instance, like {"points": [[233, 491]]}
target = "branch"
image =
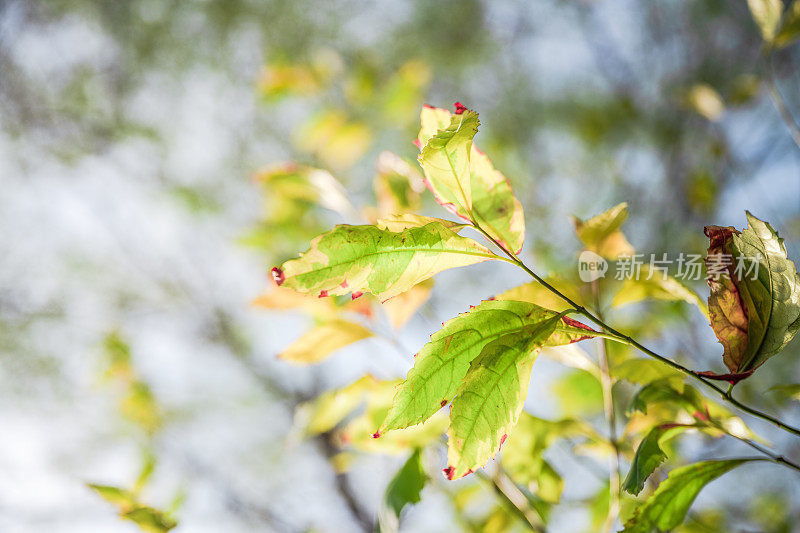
{"points": [[626, 339]]}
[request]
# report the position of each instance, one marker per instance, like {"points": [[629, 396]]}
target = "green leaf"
{"points": [[490, 400], [767, 16], [667, 391], [445, 161], [359, 433], [523, 456], [649, 455], [397, 185], [368, 259], [790, 30], [116, 496], [292, 188], [753, 314], [601, 234], [150, 520], [404, 488], [322, 340], [775, 295], [678, 398], [668, 505], [645, 371], [579, 393], [791, 391], [442, 364], [147, 518], [657, 287], [494, 206]]}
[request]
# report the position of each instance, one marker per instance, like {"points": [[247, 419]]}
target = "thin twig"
{"points": [[625, 339], [608, 410], [515, 498]]}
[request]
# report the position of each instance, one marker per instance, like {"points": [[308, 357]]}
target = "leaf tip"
{"points": [[356, 294], [376, 435], [322, 294], [460, 108], [450, 473], [278, 276]]}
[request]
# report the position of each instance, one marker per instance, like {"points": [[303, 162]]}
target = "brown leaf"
{"points": [[727, 313]]}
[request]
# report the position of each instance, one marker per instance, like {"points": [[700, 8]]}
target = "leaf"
{"points": [[338, 141], [705, 101], [443, 363], [667, 391], [322, 340], [294, 183], [397, 185], [404, 489], [668, 505], [767, 16], [283, 299], [149, 519], [494, 206], [673, 397], [727, 312], [327, 410], [140, 407], [753, 315], [790, 30], [523, 456], [649, 455], [367, 259], [791, 391], [445, 160], [360, 433], [645, 371], [403, 306], [600, 234], [658, 287], [579, 393], [399, 222], [573, 356], [536, 293], [490, 400], [116, 496]]}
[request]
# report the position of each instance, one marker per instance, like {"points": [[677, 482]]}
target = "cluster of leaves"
{"points": [[480, 362], [139, 407]]}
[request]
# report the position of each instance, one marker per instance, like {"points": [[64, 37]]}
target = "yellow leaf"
{"points": [[601, 234], [767, 16], [403, 306], [330, 408], [705, 101], [319, 342]]}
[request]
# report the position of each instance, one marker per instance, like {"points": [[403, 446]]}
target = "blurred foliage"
{"points": [[664, 106]]}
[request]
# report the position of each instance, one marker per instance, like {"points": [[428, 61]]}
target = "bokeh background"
{"points": [[134, 233]]}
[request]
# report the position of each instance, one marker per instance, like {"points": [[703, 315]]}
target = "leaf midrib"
{"points": [[488, 339], [478, 412], [401, 250]]}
